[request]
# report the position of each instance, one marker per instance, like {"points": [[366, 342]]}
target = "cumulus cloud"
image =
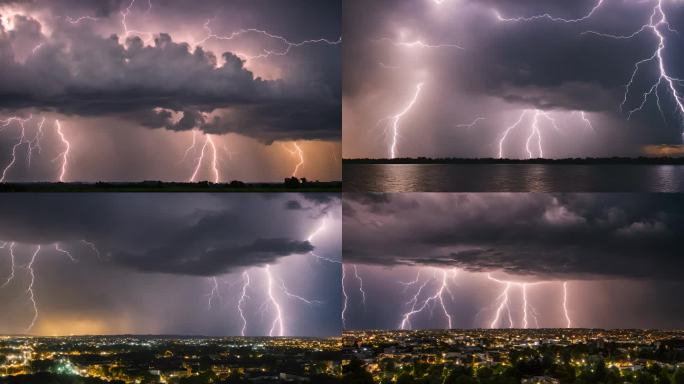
{"points": [[75, 69]]}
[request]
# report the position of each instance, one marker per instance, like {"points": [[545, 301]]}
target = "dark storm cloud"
{"points": [[570, 235], [518, 61], [76, 71], [184, 234], [554, 66]]}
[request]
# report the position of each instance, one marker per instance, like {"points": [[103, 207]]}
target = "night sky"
{"points": [[148, 264], [483, 63], [130, 81], [618, 255]]}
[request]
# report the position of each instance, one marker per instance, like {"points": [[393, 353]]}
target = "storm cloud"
{"points": [[72, 69], [140, 87], [171, 264], [578, 236], [507, 64]]}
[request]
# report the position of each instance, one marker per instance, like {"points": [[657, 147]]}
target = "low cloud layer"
{"points": [[578, 236], [184, 235]]}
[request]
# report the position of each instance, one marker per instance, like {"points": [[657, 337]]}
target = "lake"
{"points": [[512, 178]]}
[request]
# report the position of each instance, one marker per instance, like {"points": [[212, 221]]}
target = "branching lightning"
{"points": [[472, 124], [65, 252], [393, 121], [418, 305], [242, 301], [64, 156], [12, 265], [29, 267], [361, 290], [547, 16], [284, 47], [345, 298], [33, 144], [297, 151], [527, 311], [660, 27], [310, 239], [287, 45], [418, 44], [534, 139], [29, 290], [211, 146], [215, 294], [20, 141], [274, 290], [277, 324]]}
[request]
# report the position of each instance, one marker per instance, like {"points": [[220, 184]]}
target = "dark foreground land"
{"points": [[168, 359], [289, 185], [490, 160], [546, 356]]}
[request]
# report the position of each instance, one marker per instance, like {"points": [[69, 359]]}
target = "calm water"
{"points": [[512, 178]]}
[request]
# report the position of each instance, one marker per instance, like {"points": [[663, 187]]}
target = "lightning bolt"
{"points": [[535, 135], [81, 19], [65, 154], [547, 16], [394, 120], [12, 265], [215, 293], [507, 131], [565, 305], [242, 301], [277, 324], [124, 16], [535, 131], [586, 121], [288, 45], [20, 141], [65, 252], [208, 143], [297, 151], [418, 44], [502, 303], [436, 298], [29, 267], [29, 290], [310, 240], [472, 124], [33, 144], [659, 26], [361, 290], [289, 294], [345, 298]]}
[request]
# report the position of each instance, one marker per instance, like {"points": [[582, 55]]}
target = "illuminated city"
{"points": [[541, 356], [168, 359]]}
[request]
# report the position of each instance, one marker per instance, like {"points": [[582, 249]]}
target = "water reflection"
{"points": [[512, 178]]}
